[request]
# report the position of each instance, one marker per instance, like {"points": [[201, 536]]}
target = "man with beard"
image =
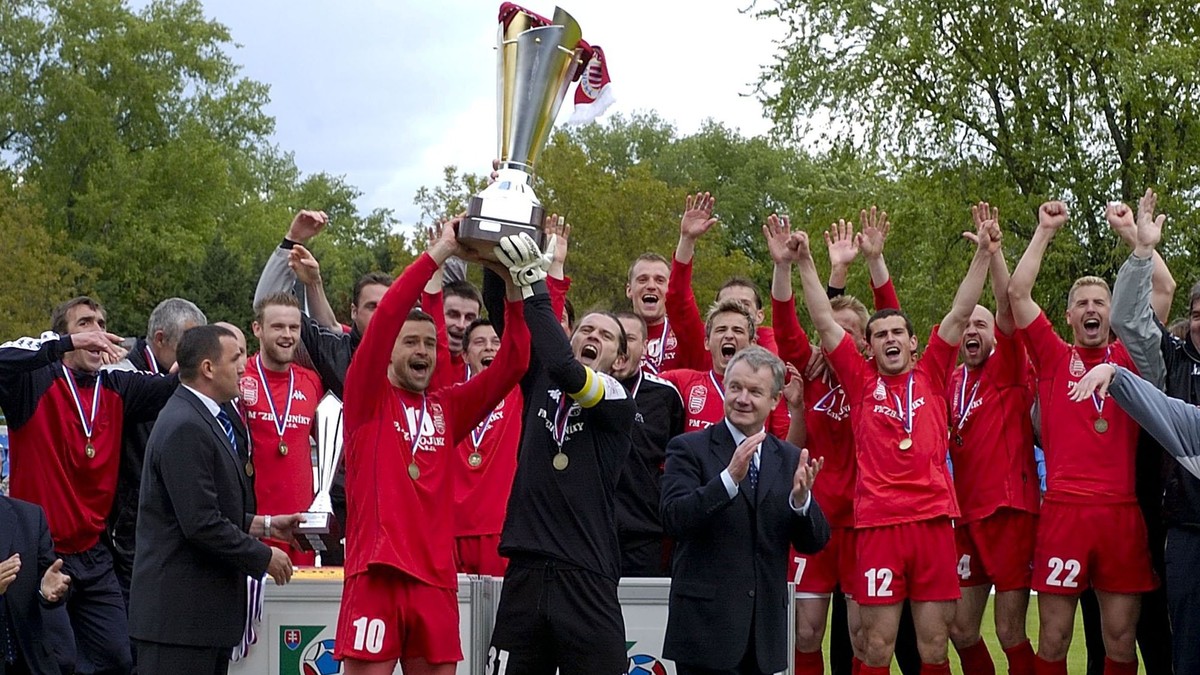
{"points": [[65, 418], [279, 400], [646, 289], [559, 606], [400, 592], [489, 462], [905, 500], [1091, 531], [659, 419], [995, 477], [729, 330], [154, 353]]}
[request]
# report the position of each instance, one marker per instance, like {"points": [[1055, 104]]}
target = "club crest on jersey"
{"points": [[880, 390], [249, 387], [1077, 367], [697, 397], [439, 419], [672, 343]]}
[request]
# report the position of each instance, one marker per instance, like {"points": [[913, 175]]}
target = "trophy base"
{"points": [[483, 228], [319, 532]]}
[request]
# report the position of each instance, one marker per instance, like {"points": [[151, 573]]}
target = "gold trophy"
{"points": [[320, 531], [536, 63]]}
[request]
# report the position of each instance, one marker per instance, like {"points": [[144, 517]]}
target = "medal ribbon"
{"points": [[656, 361], [712, 377], [414, 436], [89, 423], [1096, 400], [906, 411], [480, 431], [279, 427], [964, 406], [151, 361], [561, 416], [637, 385]]}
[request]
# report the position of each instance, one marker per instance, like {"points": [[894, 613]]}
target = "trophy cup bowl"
{"points": [[320, 530], [535, 66]]}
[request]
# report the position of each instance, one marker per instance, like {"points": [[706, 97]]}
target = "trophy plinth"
{"points": [[320, 530], [507, 207]]}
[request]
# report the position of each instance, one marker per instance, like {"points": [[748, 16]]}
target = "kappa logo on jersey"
{"points": [[880, 390], [249, 387], [1077, 368], [299, 396], [697, 397]]}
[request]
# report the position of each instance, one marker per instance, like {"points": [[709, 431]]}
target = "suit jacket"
{"points": [[731, 555], [23, 530], [193, 548]]}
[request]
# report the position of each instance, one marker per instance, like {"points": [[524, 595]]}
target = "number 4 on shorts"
{"points": [[964, 567]]}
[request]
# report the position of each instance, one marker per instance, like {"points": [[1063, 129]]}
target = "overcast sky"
{"points": [[388, 92]]}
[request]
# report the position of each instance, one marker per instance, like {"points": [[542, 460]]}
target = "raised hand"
{"points": [[560, 230], [1052, 215], [697, 216], [778, 231], [739, 466], [1120, 219], [799, 242], [305, 266], [54, 583], [1149, 227], [842, 244], [806, 476], [986, 236], [1097, 381], [793, 391], [873, 231], [443, 241], [306, 225], [817, 366]]}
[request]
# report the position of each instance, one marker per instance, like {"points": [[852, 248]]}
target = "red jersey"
{"points": [[991, 443], [489, 462], [899, 485], [1082, 464], [662, 349], [703, 395], [283, 483], [394, 518]]}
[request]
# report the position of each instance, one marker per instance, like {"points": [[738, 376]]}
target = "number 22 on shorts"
{"points": [[1057, 567]]}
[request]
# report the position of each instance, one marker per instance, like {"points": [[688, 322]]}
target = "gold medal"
{"points": [[906, 444], [413, 471], [561, 461], [475, 459], [90, 450], [283, 448], [250, 469], [1100, 425]]}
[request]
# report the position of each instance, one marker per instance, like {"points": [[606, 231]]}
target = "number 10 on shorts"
{"points": [[368, 634]]}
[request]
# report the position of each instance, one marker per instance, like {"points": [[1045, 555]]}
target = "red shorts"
{"points": [[479, 555], [909, 560], [388, 615], [833, 566], [997, 550], [1101, 545]]}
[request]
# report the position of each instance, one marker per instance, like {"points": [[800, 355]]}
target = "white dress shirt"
{"points": [[732, 488]]}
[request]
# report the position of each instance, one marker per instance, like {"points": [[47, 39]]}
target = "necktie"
{"points": [[7, 640], [227, 425], [753, 476]]}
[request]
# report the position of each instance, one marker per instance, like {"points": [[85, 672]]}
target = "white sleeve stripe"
{"points": [[30, 343]]}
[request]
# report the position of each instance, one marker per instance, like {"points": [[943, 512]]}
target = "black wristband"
{"points": [[287, 244], [833, 291]]}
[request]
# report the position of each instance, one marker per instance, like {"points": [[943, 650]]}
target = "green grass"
{"points": [[1076, 658]]}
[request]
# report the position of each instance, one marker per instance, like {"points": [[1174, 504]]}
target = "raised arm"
{"points": [[843, 249], [697, 220], [873, 232], [306, 268], [277, 276], [682, 310], [1051, 217], [1133, 314], [819, 309], [789, 335], [987, 244], [1162, 290], [997, 269]]}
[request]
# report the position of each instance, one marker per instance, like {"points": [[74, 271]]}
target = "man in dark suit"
{"points": [[197, 535], [35, 632], [734, 498]]}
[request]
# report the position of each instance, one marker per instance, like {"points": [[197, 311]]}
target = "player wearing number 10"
{"points": [[905, 498], [399, 601]]}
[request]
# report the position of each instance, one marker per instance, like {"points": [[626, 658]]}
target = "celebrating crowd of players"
{"points": [[531, 445]]}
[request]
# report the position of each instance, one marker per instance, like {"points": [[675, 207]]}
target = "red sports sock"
{"points": [[810, 663], [874, 670], [1119, 667], [976, 659], [1044, 667], [855, 666], [938, 669], [1020, 659]]}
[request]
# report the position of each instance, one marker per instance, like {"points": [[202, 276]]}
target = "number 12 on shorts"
{"points": [[368, 634], [879, 582]]}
